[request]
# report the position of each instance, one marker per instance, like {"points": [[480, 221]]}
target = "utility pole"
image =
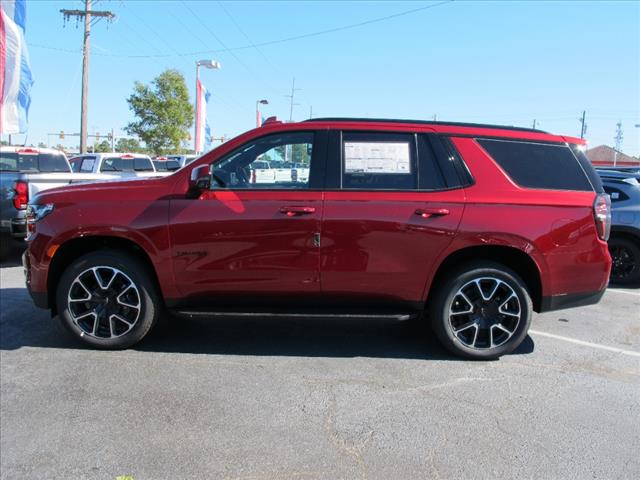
{"points": [[310, 111], [534, 123], [583, 129], [290, 97], [87, 13], [618, 138]]}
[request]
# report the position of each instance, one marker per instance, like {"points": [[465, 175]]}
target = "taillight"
{"points": [[20, 195], [602, 215]]}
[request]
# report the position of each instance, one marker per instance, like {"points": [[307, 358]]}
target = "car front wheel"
{"points": [[107, 300], [481, 311]]}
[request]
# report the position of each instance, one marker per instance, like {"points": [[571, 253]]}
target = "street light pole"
{"points": [[212, 64], [258, 103], [195, 124]]}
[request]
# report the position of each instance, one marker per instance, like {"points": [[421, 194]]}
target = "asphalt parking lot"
{"points": [[291, 399]]}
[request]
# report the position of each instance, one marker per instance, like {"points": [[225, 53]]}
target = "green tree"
{"points": [[129, 145], [103, 146], [163, 112]]}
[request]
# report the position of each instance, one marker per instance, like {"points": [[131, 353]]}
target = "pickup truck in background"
{"points": [[120, 165], [25, 172]]}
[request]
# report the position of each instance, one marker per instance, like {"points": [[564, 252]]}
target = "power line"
{"points": [[233, 20], [152, 30], [219, 40], [270, 42]]}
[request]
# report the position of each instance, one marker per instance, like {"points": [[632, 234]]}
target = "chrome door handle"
{"points": [[431, 212], [296, 211]]}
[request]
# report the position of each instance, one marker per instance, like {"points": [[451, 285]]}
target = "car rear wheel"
{"points": [[625, 256], [481, 311], [107, 300]]}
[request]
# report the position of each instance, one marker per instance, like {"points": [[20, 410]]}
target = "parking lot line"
{"points": [[636, 294], [586, 344]]}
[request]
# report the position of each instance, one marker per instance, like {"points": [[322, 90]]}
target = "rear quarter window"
{"points": [[538, 165]]}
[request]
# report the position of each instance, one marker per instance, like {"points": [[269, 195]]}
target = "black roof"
{"points": [[423, 122]]}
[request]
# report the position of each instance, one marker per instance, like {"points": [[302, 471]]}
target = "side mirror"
{"points": [[200, 180]]}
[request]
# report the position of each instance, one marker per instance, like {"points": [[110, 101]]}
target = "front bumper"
{"points": [[40, 299], [571, 300]]}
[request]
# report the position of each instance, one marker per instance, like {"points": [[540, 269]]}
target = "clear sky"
{"points": [[490, 62]]}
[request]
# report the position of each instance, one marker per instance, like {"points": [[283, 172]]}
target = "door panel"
{"points": [[246, 243], [252, 238], [382, 244]]}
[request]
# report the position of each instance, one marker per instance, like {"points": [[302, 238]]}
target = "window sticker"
{"points": [[377, 157]]}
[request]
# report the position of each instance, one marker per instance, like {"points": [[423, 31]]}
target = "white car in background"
{"points": [[116, 164]]}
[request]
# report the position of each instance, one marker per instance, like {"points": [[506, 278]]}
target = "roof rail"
{"points": [[424, 122]]}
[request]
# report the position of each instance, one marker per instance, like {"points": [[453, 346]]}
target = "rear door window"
{"points": [[538, 165], [378, 161]]}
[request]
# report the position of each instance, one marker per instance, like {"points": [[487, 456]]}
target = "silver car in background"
{"points": [[623, 186]]}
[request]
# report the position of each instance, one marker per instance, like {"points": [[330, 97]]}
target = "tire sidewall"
{"points": [[440, 319], [136, 272]]}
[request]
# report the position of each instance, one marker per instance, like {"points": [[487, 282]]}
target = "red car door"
{"points": [[387, 221], [253, 236]]}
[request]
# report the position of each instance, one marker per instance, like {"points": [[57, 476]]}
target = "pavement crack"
{"points": [[341, 444]]}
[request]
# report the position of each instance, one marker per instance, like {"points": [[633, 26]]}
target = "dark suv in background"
{"points": [[623, 186], [461, 224]]}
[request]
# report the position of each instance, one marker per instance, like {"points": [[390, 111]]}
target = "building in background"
{"points": [[608, 156]]}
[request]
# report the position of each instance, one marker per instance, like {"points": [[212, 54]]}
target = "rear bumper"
{"points": [[571, 300], [19, 228], [15, 224]]}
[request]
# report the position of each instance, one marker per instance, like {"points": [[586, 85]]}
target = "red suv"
{"points": [[475, 226]]}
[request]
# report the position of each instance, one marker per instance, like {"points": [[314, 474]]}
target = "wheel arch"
{"points": [[629, 233], [74, 248], [515, 259]]}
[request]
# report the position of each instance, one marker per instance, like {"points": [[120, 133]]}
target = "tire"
{"points": [[114, 288], [625, 254], [470, 330]]}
